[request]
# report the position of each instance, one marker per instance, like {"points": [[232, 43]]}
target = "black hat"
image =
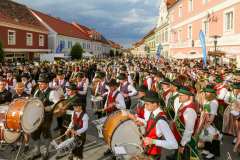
{"points": [[122, 76], [237, 72], [151, 97], [25, 75], [100, 75], [185, 90], [176, 83], [72, 86], [142, 88], [166, 81], [236, 85], [113, 82], [43, 78], [60, 72]]}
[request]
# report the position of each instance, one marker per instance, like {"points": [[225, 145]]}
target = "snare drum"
{"points": [[24, 114], [119, 130], [97, 103]]}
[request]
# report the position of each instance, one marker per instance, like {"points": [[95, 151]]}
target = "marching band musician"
{"points": [[27, 84], [209, 135], [82, 86], [126, 89], [138, 107], [5, 95], [184, 127], [115, 100], [157, 131], [77, 129], [47, 96]]}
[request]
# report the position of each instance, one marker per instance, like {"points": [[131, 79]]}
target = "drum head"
{"points": [[11, 137], [127, 136], [32, 115]]}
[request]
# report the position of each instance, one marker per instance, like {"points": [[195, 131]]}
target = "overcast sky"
{"points": [[123, 21]]}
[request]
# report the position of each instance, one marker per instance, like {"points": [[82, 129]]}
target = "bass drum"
{"points": [[24, 114], [7, 136], [119, 130]]}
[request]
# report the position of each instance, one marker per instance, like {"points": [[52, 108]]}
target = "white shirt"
{"points": [[85, 87], [231, 97], [131, 89], [213, 107], [190, 117], [222, 94], [120, 103], [149, 82], [162, 129], [85, 119]]}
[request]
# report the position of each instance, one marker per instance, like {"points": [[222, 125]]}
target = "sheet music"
{"points": [[120, 150]]}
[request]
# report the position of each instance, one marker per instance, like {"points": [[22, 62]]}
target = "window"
{"points": [[62, 44], [180, 11], [29, 39], [190, 5], [84, 45], [190, 32], [41, 40], [228, 23], [69, 44], [11, 37], [88, 46], [205, 27]]}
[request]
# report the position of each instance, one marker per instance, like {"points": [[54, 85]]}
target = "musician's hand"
{"points": [[68, 132], [147, 141], [181, 149], [74, 133], [132, 117]]}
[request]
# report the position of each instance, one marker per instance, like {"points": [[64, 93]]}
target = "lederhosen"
{"points": [[124, 90], [170, 106], [190, 150], [153, 151], [80, 139], [45, 127]]}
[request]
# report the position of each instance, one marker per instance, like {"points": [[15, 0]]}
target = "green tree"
{"points": [[76, 51], [111, 54], [1, 52]]}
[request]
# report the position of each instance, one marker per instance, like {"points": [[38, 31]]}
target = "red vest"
{"points": [[154, 88], [140, 111], [182, 120], [111, 99], [153, 149], [77, 121]]}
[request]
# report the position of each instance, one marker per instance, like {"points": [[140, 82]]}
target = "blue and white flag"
{"points": [[204, 50]]}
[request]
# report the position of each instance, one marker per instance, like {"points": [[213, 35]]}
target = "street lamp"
{"points": [[215, 46]]}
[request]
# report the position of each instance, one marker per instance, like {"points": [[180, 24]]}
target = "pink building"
{"points": [[214, 18]]}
